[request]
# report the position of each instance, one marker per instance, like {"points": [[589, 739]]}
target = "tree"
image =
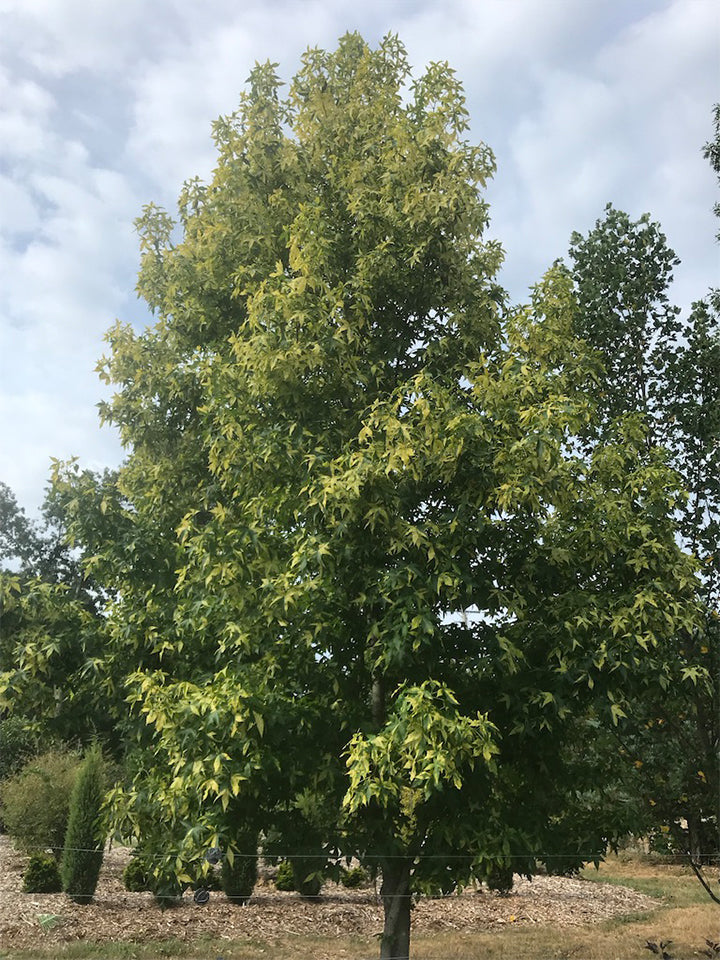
{"points": [[50, 626], [39, 548], [622, 271], [17, 535], [370, 585], [667, 370], [711, 152]]}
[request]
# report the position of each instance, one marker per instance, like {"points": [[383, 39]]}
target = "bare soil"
{"points": [[26, 920]]}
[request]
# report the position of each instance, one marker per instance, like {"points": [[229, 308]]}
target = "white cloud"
{"points": [[104, 107], [177, 96], [18, 211], [23, 118], [60, 429], [627, 127], [59, 37]]}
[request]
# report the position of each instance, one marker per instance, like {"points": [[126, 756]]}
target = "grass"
{"points": [[675, 885], [686, 916]]}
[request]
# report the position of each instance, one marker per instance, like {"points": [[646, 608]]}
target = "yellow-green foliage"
{"points": [[285, 877], [36, 801], [358, 550]]}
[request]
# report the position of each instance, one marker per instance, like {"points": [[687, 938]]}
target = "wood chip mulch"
{"points": [[117, 915]]}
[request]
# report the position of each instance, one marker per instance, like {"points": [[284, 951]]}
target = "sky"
{"points": [[106, 106]]}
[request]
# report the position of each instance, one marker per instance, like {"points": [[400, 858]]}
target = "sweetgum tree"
{"points": [[373, 593]]}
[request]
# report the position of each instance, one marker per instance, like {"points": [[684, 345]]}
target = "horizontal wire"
{"points": [[357, 895], [585, 857], [260, 899]]}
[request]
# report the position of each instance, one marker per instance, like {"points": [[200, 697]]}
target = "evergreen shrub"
{"points": [[137, 877], [238, 879], [354, 878], [308, 878], [285, 877], [500, 879], [42, 875], [85, 837]]}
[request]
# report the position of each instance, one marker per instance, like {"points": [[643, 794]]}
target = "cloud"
{"points": [[628, 128], [66, 255], [19, 214], [60, 37], [177, 96], [59, 429], [104, 107], [23, 118]]}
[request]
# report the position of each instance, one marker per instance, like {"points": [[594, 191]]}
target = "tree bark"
{"points": [[377, 701], [395, 893]]}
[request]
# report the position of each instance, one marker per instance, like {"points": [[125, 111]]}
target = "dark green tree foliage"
{"points": [[361, 569], [50, 644], [239, 874], [85, 838], [17, 745], [39, 548], [18, 537], [666, 370], [300, 833], [50, 628], [622, 271], [711, 152]]}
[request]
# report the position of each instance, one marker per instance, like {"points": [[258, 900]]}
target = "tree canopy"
{"points": [[664, 368], [50, 629], [369, 588]]}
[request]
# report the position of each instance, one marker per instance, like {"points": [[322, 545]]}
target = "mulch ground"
{"points": [[117, 915]]}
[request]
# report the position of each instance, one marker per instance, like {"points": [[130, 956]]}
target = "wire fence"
{"points": [[661, 948], [214, 856], [585, 857]]}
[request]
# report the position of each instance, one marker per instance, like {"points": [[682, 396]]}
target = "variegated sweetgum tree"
{"points": [[370, 594]]}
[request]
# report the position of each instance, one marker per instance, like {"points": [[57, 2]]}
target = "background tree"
{"points": [[711, 152], [18, 538], [622, 273], [39, 549], [368, 581], [50, 627], [667, 370]]}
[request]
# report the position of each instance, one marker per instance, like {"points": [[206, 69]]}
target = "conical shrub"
{"points": [[85, 837], [239, 877]]}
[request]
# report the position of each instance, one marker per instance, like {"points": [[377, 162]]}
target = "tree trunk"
{"points": [[377, 702], [695, 846], [395, 893]]}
